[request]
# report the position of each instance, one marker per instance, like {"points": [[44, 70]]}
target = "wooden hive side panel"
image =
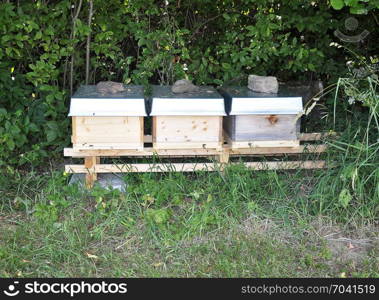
{"points": [[265, 128], [107, 130], [187, 131]]}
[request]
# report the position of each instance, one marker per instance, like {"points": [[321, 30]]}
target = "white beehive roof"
{"points": [[242, 101], [205, 102], [88, 102]]}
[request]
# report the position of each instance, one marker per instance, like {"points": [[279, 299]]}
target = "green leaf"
{"points": [[51, 135], [351, 3], [226, 66], [337, 4], [10, 144], [358, 10], [33, 127], [226, 16], [52, 131], [158, 216], [344, 197], [38, 35]]}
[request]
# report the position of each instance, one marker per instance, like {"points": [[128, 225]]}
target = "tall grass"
{"points": [[354, 185]]}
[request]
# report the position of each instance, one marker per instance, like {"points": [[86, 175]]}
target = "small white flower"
{"points": [[13, 78], [334, 44]]}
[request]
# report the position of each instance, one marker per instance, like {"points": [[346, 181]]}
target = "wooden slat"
{"points": [[124, 149], [154, 130], [90, 164], [148, 151], [187, 145], [305, 137], [302, 149], [223, 157], [142, 134], [74, 135], [190, 167], [220, 130], [264, 144], [108, 146]]}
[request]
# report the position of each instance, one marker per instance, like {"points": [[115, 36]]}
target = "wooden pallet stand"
{"points": [[92, 165]]}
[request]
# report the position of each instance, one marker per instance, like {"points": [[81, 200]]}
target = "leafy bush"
{"points": [[43, 53]]}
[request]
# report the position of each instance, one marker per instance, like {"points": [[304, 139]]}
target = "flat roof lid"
{"points": [[88, 102], [205, 102], [242, 101]]}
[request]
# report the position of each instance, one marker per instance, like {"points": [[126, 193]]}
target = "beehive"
{"points": [[188, 120], [110, 121], [261, 120]]}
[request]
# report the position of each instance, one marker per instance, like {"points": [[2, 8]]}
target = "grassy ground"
{"points": [[233, 224], [236, 223]]}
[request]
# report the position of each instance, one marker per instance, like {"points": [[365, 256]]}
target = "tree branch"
{"points": [[90, 13], [73, 37]]}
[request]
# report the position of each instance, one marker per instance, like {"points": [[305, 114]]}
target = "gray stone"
{"points": [[106, 181], [109, 87], [184, 86], [263, 84]]}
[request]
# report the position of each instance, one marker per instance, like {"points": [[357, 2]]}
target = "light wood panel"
{"points": [[262, 127], [148, 151], [107, 132], [191, 167], [185, 132]]}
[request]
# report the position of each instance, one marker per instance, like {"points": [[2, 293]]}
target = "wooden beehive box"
{"points": [[110, 121], [188, 120], [261, 120]]}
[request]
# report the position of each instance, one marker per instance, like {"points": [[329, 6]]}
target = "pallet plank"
{"points": [[90, 164], [191, 167], [148, 151]]}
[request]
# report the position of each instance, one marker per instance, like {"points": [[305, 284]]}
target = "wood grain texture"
{"points": [[108, 146], [305, 137], [191, 167], [262, 127], [186, 132], [107, 131], [149, 151], [90, 165], [74, 134], [187, 145]]}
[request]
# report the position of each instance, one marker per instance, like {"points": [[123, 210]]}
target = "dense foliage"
{"points": [[43, 52]]}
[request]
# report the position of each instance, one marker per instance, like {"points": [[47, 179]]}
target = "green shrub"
{"points": [[43, 53]]}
